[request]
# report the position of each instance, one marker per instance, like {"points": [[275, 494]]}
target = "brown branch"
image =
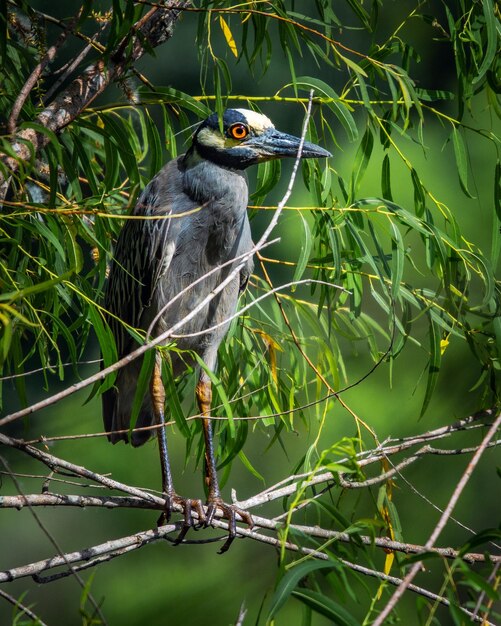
{"points": [[154, 28], [35, 75]]}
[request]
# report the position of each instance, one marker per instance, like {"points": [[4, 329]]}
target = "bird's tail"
{"points": [[117, 409]]}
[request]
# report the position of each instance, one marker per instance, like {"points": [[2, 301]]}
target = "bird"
{"points": [[192, 230]]}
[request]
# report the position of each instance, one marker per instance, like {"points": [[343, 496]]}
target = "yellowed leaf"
{"points": [[443, 346], [228, 35]]}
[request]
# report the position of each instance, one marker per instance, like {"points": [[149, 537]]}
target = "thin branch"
{"points": [[48, 367], [380, 620], [56, 545], [72, 65], [23, 610], [111, 549]]}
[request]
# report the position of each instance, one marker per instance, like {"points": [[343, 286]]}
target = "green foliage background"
{"points": [[404, 217]]}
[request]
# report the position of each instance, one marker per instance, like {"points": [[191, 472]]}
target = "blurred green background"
{"points": [[160, 584]]}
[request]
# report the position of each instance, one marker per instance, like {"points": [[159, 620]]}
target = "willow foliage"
{"points": [[387, 260]]}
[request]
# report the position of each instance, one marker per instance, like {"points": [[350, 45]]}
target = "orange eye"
{"points": [[238, 131]]}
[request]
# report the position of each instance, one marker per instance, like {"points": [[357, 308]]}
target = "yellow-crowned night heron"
{"points": [[203, 194]]}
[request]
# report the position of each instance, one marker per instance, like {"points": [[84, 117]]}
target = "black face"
{"points": [[248, 138], [230, 117]]}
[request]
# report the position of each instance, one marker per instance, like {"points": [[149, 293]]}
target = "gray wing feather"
{"points": [[143, 254]]}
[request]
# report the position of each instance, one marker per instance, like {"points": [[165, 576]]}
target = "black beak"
{"points": [[273, 144]]}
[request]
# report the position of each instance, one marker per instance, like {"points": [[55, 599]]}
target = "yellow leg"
{"points": [[204, 397], [157, 392], [214, 500]]}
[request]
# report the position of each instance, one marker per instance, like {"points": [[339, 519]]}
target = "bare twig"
{"points": [[380, 620], [56, 545], [90, 557], [23, 610]]}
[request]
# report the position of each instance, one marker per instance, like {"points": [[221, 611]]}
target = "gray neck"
{"points": [[204, 181]]}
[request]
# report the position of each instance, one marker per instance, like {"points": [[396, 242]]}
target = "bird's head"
{"points": [[247, 138]]}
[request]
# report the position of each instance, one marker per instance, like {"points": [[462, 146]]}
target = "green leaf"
{"points": [[173, 403], [419, 193], [361, 161], [461, 160], [326, 606], [492, 49], [304, 253], [434, 363], [397, 260], [386, 178], [142, 387], [497, 189], [335, 104], [217, 384], [291, 579]]}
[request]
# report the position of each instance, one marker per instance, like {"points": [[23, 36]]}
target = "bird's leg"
{"points": [[214, 500], [157, 392]]}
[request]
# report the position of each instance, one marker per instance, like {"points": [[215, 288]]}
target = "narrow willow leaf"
{"points": [[304, 253], [397, 260], [218, 385], [361, 161], [121, 136], [268, 174], [419, 193], [248, 465], [228, 36], [394, 95], [497, 189], [386, 178], [153, 143], [290, 581], [142, 387], [432, 95], [335, 104], [492, 25], [353, 66], [461, 160], [175, 96], [173, 402], [324, 605], [39, 287], [361, 13], [434, 363], [81, 149]]}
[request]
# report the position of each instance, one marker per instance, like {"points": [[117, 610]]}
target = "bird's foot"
{"points": [[188, 505], [230, 512]]}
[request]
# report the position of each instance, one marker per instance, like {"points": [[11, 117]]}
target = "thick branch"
{"points": [[113, 502], [111, 549]]}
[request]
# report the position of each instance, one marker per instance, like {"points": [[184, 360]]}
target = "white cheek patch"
{"points": [[258, 122], [211, 138]]}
